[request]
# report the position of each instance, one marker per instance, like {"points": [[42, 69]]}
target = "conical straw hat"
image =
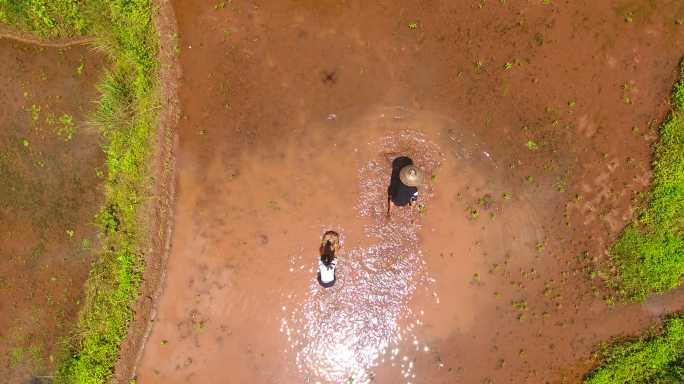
{"points": [[411, 176]]}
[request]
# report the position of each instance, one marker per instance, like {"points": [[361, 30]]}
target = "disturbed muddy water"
{"points": [[251, 283], [536, 122], [48, 196]]}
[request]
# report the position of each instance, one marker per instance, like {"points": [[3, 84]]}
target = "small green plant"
{"points": [[16, 356], [220, 4], [628, 89], [176, 43], [35, 112], [272, 204], [508, 66], [531, 145], [422, 209], [485, 201], [519, 305], [79, 69], [413, 25], [66, 128], [572, 103], [629, 17], [561, 185], [479, 66]]}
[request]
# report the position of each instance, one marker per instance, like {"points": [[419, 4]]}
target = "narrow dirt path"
{"points": [[9, 33], [536, 122]]}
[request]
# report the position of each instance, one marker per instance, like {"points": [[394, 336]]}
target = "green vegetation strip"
{"points": [[126, 115], [658, 358], [650, 252], [58, 18]]}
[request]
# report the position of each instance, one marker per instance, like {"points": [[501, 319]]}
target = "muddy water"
{"points": [[535, 120], [249, 292], [49, 193]]}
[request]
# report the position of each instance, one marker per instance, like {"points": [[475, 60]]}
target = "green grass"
{"points": [[126, 117], [649, 254], [655, 358], [58, 18]]}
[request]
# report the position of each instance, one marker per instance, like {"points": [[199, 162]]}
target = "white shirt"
{"points": [[327, 272]]}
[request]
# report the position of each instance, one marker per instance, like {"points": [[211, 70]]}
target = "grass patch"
{"points": [[57, 18], [655, 358], [649, 254], [126, 115]]}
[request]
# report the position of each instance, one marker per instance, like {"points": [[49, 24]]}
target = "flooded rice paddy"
{"points": [[251, 280], [534, 121]]}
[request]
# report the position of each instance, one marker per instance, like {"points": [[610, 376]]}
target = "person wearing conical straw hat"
{"points": [[403, 188]]}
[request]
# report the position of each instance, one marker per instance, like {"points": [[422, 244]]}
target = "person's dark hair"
{"points": [[399, 163], [327, 252]]}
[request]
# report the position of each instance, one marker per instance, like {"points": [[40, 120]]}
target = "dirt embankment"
{"points": [[7, 32], [160, 207], [50, 189]]}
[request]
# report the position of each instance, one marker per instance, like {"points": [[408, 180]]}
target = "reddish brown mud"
{"points": [[534, 121], [49, 192]]}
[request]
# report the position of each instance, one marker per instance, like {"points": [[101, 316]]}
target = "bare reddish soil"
{"points": [[49, 193], [535, 122]]}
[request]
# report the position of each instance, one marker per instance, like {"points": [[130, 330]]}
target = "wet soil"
{"points": [[49, 193], [534, 121]]}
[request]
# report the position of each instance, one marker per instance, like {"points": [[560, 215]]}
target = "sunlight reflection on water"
{"points": [[340, 334]]}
